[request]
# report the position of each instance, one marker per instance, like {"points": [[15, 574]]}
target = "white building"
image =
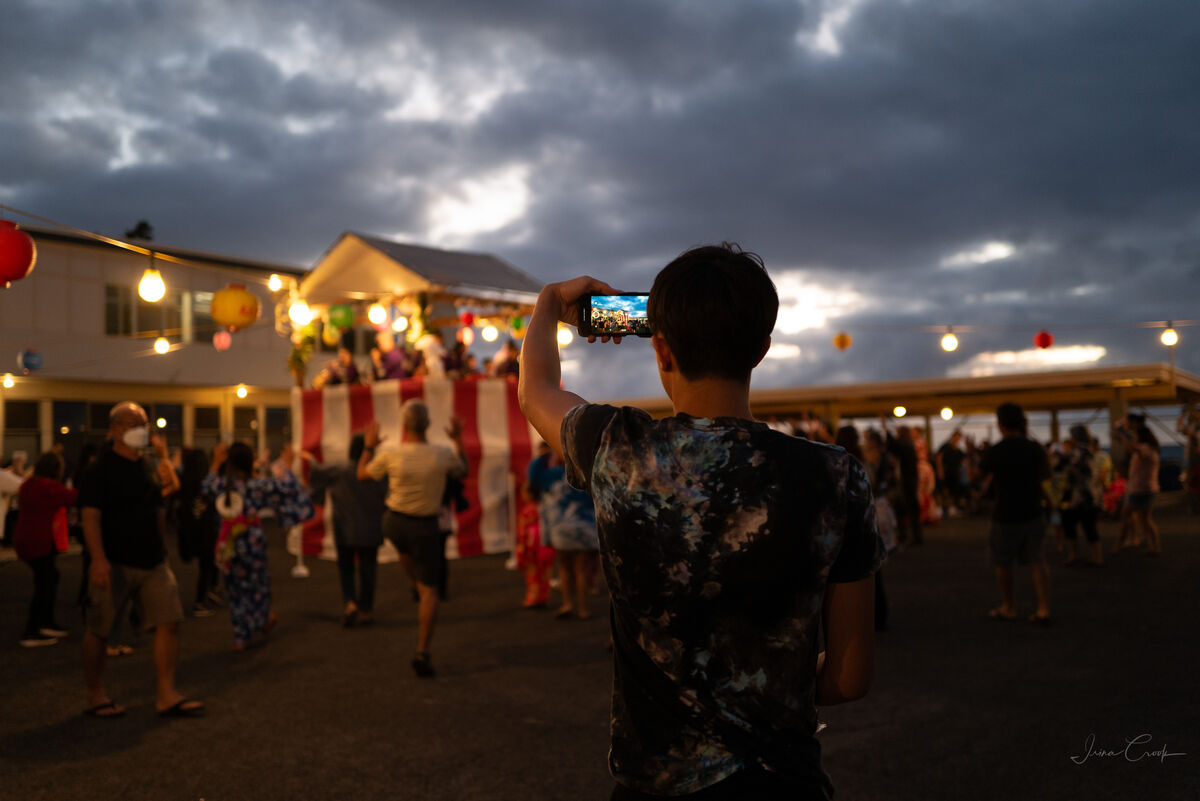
{"points": [[79, 310]]}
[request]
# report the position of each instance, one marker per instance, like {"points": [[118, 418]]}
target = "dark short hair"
{"points": [[240, 457], [715, 306], [49, 465], [358, 444], [1011, 416]]}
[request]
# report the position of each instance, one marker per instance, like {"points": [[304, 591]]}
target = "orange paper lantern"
{"points": [[842, 340], [235, 307]]}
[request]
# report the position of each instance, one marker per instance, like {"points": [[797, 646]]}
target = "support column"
{"points": [[260, 414], [227, 416], [1117, 409], [1054, 437], [189, 425], [45, 428], [3, 425], [929, 435]]}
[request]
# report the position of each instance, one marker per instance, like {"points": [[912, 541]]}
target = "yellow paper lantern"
{"points": [[235, 307]]}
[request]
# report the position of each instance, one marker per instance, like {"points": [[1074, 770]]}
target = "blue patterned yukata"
{"points": [[718, 538], [242, 544]]}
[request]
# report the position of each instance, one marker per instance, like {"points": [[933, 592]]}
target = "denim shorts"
{"points": [[1021, 542]]}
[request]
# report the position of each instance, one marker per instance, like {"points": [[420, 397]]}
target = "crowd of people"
{"points": [[427, 357]]}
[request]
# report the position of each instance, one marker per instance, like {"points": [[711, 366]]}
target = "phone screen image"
{"points": [[618, 316]]}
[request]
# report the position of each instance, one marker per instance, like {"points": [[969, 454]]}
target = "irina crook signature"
{"points": [[1135, 750]]}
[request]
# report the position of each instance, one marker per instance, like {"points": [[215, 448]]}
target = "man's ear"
{"points": [[763, 353], [662, 353]]}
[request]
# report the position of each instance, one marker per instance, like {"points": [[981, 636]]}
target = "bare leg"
{"points": [[581, 585], [1004, 579], [166, 655], [1041, 585], [94, 651], [566, 581], [426, 615], [1153, 546]]}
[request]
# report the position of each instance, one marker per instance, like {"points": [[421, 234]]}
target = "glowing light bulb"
{"points": [[399, 324], [274, 283], [377, 314], [565, 336], [242, 391], [151, 288], [64, 430], [947, 413], [1169, 337], [490, 333], [161, 422], [899, 411], [949, 342], [161, 345], [8, 381], [299, 313]]}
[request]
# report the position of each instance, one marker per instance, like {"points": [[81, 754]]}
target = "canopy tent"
{"points": [[361, 267]]}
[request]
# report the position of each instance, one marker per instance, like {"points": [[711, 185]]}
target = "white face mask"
{"points": [[136, 438]]}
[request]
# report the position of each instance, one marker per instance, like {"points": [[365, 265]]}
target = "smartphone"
{"points": [[614, 315]]}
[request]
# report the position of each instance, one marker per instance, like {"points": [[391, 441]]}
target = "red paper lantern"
{"points": [[222, 340], [234, 307], [467, 319], [18, 253], [1043, 339]]}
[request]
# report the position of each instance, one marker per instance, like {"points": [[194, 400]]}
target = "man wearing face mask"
{"points": [[123, 527]]}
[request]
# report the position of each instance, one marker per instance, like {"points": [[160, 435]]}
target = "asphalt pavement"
{"points": [[962, 707]]}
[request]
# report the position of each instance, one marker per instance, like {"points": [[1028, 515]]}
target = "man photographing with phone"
{"points": [[725, 545]]}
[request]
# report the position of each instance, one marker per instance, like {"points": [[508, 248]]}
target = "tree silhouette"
{"points": [[143, 230]]}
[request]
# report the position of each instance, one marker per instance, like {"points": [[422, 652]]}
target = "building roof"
{"points": [[179, 255], [1094, 388], [359, 266]]}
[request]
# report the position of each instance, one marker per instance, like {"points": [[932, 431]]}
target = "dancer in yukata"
{"points": [[242, 544]]}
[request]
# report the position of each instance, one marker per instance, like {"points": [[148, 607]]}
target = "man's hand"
{"points": [[455, 430], [159, 442], [371, 438], [100, 573], [566, 295]]}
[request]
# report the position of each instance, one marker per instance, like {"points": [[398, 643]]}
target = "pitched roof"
{"points": [[455, 268]]}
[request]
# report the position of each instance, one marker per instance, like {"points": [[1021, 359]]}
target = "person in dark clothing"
{"points": [[196, 523], [902, 447], [725, 545], [357, 529], [1018, 466]]}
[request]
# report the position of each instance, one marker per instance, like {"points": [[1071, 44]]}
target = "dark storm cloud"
{"points": [[1066, 130]]}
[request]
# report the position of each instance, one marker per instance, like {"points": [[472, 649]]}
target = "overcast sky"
{"points": [[897, 164]]}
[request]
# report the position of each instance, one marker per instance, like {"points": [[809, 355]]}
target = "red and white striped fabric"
{"points": [[497, 438]]}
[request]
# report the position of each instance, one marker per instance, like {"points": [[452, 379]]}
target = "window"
{"points": [[279, 420], [203, 325], [126, 315], [208, 418], [118, 310]]}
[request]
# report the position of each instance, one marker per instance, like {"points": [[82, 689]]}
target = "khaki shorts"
{"points": [[155, 592]]}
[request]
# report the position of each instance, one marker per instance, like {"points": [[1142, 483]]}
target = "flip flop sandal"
{"points": [[178, 710], [98, 711]]}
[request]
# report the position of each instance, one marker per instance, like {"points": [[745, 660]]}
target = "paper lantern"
{"points": [[18, 253], [341, 316], [29, 360], [222, 340], [330, 335], [1043, 339], [466, 335], [235, 307], [517, 323], [842, 340], [467, 319]]}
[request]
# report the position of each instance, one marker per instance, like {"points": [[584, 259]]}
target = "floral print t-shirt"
{"points": [[718, 538]]}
